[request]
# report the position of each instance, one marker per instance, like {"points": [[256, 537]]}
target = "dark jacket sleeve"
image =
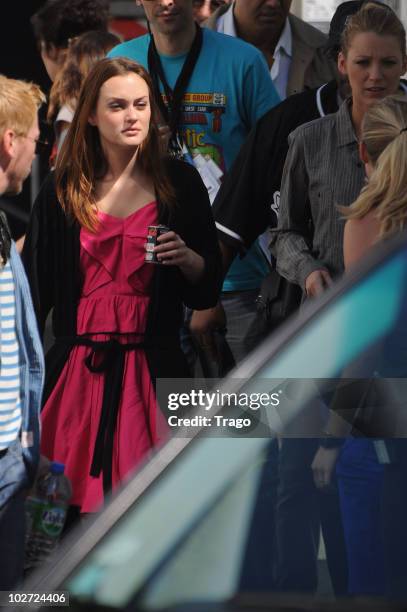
{"points": [[242, 205], [292, 250], [248, 200], [39, 252], [193, 220]]}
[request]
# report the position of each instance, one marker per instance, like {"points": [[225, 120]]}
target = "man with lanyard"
{"points": [[211, 89], [21, 358]]}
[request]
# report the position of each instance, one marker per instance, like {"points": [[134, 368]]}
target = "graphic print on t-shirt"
{"points": [[202, 114]]}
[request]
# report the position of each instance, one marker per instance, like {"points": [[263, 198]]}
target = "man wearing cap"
{"points": [[294, 50]]}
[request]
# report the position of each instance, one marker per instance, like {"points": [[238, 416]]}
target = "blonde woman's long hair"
{"points": [[384, 133], [373, 17]]}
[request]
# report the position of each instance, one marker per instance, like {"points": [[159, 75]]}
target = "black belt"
{"points": [[111, 363]]}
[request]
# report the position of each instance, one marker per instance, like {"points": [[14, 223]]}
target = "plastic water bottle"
{"points": [[46, 512]]}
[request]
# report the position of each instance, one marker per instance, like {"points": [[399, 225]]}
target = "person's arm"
{"points": [[350, 393], [291, 245], [242, 207], [356, 242], [199, 255], [359, 237], [171, 250], [325, 459], [204, 322]]}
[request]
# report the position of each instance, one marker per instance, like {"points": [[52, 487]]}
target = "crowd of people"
{"points": [[251, 137]]}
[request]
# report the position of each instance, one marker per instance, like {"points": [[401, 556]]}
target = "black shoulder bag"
{"points": [[278, 299]]}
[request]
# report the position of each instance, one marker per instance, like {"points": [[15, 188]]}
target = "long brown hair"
{"points": [[81, 161], [83, 53]]}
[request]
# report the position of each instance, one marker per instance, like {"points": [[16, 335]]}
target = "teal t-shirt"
{"points": [[229, 90]]}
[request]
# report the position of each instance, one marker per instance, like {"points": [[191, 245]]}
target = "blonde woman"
{"points": [[381, 209], [379, 212], [323, 170]]}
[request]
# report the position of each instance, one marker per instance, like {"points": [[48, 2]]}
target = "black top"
{"points": [[248, 200], [51, 258]]}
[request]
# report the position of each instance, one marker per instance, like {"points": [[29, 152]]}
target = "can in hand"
{"points": [[154, 231]]}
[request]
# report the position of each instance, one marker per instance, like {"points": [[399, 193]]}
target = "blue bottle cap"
{"points": [[57, 468]]}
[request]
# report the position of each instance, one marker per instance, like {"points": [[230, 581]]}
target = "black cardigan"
{"points": [[51, 258]]}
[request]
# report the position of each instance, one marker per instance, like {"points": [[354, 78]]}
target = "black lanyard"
{"points": [[172, 110]]}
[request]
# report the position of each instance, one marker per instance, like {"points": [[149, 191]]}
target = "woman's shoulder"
{"points": [[367, 225], [360, 235]]}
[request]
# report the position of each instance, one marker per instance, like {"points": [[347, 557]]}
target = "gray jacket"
{"points": [[310, 66]]}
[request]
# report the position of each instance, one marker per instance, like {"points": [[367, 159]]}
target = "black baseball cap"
{"points": [[339, 20]]}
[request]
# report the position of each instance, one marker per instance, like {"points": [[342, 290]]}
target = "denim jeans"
{"points": [[301, 512], [394, 513], [13, 480], [360, 482]]}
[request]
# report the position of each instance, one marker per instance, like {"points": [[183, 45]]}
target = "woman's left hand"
{"points": [[324, 465], [171, 250]]}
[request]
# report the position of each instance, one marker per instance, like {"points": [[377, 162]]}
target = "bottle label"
{"points": [[46, 517]]}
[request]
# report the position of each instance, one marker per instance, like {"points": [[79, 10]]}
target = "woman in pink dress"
{"points": [[116, 318]]}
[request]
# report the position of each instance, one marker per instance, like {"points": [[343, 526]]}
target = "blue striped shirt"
{"points": [[10, 407]]}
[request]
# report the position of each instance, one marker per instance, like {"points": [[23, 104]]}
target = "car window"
{"points": [[348, 327], [189, 537], [165, 517]]}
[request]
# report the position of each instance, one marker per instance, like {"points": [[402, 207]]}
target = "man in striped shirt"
{"points": [[21, 359]]}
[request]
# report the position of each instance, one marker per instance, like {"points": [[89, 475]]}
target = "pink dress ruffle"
{"points": [[114, 301]]}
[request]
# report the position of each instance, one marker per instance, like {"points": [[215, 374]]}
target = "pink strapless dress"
{"points": [[113, 305]]}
